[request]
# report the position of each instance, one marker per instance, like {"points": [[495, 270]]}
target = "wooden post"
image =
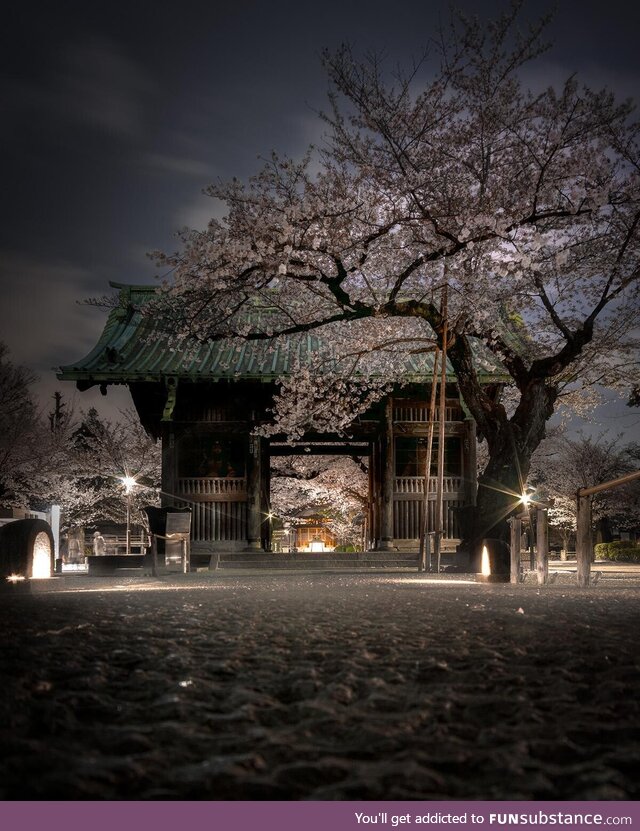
{"points": [[369, 523], [516, 534], [422, 555], [168, 482], [532, 538], [266, 528], [387, 480], [254, 506], [584, 542], [154, 555], [376, 498], [542, 546]]}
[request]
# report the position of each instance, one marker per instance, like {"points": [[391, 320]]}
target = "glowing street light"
{"points": [[129, 484], [527, 497]]}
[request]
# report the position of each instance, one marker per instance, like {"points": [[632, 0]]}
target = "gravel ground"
{"points": [[325, 686]]}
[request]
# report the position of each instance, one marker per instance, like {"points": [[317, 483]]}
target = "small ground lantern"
{"points": [[27, 551], [489, 572]]}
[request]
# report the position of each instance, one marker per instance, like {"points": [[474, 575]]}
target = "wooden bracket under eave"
{"points": [[172, 395]]}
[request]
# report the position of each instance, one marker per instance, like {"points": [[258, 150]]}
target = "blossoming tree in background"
{"points": [[563, 464], [76, 462], [335, 486], [523, 204]]}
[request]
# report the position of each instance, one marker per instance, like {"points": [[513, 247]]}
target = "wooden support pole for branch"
{"points": [[441, 434], [614, 483], [424, 559]]}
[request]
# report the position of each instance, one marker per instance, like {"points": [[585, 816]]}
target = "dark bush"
{"points": [[621, 551]]}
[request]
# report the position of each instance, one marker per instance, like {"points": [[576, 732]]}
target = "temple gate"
{"points": [[206, 403]]}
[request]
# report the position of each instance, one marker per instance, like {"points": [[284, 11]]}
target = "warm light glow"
{"points": [[525, 499], [41, 564], [129, 483], [485, 565], [16, 578]]}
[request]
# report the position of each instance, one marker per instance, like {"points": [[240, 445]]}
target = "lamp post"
{"points": [[129, 483]]}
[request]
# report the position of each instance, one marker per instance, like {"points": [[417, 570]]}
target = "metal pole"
{"points": [[128, 538]]}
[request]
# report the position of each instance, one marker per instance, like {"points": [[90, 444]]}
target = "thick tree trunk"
{"points": [[504, 480], [511, 441], [499, 492]]}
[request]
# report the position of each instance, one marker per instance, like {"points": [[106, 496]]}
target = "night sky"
{"points": [[115, 116]]}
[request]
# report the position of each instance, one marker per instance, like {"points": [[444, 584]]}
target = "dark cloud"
{"points": [[115, 116]]}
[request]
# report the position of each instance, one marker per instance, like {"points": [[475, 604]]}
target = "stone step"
{"points": [[318, 563], [364, 560]]}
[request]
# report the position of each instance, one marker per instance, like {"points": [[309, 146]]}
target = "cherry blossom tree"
{"points": [[521, 205], [563, 464], [77, 463], [97, 454], [336, 486]]}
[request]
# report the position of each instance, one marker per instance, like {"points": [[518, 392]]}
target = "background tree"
{"points": [[25, 443], [524, 204], [335, 486], [563, 464], [99, 453], [56, 459]]}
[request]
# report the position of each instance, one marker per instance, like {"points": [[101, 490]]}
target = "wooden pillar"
{"points": [[369, 538], [532, 538], [265, 495], [516, 534], [374, 531], [584, 541], [254, 502], [154, 555], [542, 546], [387, 480], [168, 475]]}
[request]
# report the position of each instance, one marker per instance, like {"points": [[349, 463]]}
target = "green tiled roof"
{"points": [[133, 348]]}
